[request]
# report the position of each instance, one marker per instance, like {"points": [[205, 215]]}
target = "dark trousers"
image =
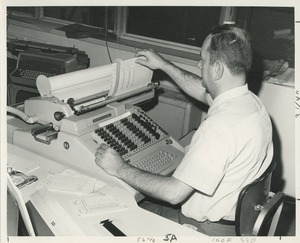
{"points": [[174, 213]]}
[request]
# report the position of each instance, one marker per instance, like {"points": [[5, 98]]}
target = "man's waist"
{"points": [[225, 222], [185, 219]]}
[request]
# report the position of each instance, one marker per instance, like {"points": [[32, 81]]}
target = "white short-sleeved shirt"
{"points": [[232, 147]]}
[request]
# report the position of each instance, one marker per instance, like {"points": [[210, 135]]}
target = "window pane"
{"points": [[27, 10], [262, 24], [94, 16], [186, 25]]}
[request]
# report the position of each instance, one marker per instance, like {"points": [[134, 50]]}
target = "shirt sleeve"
{"points": [[204, 164]]}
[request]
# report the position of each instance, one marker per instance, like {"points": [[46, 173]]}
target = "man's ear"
{"points": [[219, 70]]}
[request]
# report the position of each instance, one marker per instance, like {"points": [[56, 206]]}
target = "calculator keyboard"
{"points": [[141, 142], [130, 134], [156, 162]]}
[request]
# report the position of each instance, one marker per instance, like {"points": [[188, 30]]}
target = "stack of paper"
{"points": [[70, 181], [98, 203], [286, 78]]}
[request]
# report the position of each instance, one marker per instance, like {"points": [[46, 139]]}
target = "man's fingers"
{"points": [[104, 146], [98, 154], [141, 53], [141, 62], [101, 149], [104, 149]]}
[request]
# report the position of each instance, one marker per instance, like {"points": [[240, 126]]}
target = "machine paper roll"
{"points": [[114, 79], [77, 84]]}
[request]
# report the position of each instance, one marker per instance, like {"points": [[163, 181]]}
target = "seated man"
{"points": [[231, 148]]}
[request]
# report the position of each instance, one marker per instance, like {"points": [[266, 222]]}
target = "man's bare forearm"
{"points": [[156, 186], [190, 83]]}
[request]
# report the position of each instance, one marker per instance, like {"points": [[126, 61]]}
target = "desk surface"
{"points": [[132, 221]]}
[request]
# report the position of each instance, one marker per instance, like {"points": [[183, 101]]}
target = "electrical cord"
{"points": [[106, 30], [22, 115]]}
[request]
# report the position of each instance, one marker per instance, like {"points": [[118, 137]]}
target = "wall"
{"points": [[279, 100]]}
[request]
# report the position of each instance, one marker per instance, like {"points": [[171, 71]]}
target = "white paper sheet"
{"points": [[130, 76], [57, 219], [27, 168], [70, 181], [98, 203]]}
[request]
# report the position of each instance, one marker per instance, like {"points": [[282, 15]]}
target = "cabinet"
{"points": [[177, 113]]}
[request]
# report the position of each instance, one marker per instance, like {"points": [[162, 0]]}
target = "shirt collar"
{"points": [[230, 94]]}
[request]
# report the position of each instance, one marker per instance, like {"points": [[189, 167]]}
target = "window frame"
{"points": [[228, 15], [120, 29]]}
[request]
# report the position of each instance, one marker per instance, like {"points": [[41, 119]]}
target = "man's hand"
{"points": [[166, 188], [109, 159], [150, 59]]}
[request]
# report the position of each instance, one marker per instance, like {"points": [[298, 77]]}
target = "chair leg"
{"points": [[275, 220], [267, 213]]}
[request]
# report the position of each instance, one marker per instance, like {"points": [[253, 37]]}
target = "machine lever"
{"points": [[44, 133]]}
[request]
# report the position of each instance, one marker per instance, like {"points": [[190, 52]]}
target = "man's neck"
{"points": [[230, 83]]}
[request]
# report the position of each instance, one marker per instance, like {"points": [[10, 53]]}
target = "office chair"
{"points": [[258, 209]]}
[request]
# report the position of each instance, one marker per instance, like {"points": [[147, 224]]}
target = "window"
{"points": [[93, 16], [181, 28], [24, 10], [185, 25], [272, 31]]}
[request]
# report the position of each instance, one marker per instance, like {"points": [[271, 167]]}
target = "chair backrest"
{"points": [[252, 199]]}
